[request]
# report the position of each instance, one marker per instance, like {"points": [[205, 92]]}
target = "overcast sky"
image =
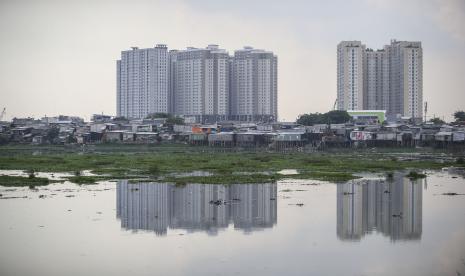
{"points": [[59, 57]]}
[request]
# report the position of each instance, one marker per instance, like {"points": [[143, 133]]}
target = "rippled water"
{"points": [[294, 227]]}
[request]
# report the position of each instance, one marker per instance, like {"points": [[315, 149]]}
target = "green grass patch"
{"points": [[136, 161], [415, 175], [19, 181]]}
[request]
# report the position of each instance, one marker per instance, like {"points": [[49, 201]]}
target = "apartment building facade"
{"points": [[206, 84], [200, 83], [142, 82], [254, 88], [389, 79]]}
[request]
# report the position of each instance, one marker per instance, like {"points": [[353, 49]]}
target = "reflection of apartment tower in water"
{"points": [[391, 208], [157, 207], [257, 210], [191, 209], [137, 209], [349, 210]]}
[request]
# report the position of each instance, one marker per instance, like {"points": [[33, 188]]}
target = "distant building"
{"points": [[377, 81], [142, 82], [406, 78], [200, 83], [390, 79], [350, 82], [254, 88], [203, 85], [368, 116]]}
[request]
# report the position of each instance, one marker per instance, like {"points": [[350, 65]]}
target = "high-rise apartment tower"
{"points": [[142, 82], [390, 79]]}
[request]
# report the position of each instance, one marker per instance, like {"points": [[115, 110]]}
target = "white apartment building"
{"points": [[142, 82], [390, 79], [376, 80], [254, 85], [350, 75], [200, 83], [406, 85]]}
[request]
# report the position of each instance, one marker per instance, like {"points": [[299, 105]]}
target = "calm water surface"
{"points": [[293, 227]]}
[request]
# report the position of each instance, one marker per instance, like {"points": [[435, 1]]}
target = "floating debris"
{"points": [[451, 194], [216, 202], [12, 197], [69, 195], [296, 204], [348, 193]]}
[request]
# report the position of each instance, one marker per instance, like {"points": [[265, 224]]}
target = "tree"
{"points": [[331, 117], [310, 119], [158, 115], [437, 121], [119, 119], [459, 116], [338, 117], [170, 119], [175, 120]]}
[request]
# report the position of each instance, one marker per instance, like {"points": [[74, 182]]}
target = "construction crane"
{"points": [[3, 113], [335, 103]]}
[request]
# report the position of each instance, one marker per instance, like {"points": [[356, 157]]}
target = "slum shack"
{"points": [[250, 139], [223, 139], [128, 137], [285, 140], [198, 139], [329, 141], [146, 137], [405, 138], [386, 138], [113, 136], [458, 136], [360, 138]]}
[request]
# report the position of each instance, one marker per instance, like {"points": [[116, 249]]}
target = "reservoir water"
{"points": [[369, 226]]}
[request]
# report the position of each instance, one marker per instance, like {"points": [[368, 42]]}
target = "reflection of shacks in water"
{"points": [[393, 208], [159, 206]]}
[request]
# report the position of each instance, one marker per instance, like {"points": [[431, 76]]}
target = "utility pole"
{"points": [[426, 109]]}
